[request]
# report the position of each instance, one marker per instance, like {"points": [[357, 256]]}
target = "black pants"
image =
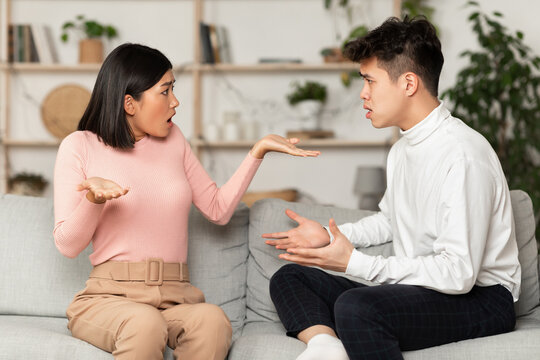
{"points": [[378, 322]]}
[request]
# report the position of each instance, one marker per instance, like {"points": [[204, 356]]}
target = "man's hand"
{"points": [[308, 234], [280, 144], [332, 257], [101, 190]]}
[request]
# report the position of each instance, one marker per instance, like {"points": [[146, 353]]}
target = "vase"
{"points": [[90, 51], [310, 111]]}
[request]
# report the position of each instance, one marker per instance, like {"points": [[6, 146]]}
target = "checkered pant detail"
{"points": [[379, 322]]}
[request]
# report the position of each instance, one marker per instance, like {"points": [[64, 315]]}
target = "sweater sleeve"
{"points": [[76, 218], [217, 204], [467, 199], [371, 230]]}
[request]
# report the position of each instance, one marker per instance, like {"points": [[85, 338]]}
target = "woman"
{"points": [[125, 182]]}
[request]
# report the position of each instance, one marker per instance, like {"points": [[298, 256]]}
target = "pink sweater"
{"points": [[151, 220]]}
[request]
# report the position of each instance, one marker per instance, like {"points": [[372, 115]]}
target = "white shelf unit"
{"points": [[196, 70]]}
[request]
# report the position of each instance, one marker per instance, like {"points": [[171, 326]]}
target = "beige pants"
{"points": [[134, 320]]}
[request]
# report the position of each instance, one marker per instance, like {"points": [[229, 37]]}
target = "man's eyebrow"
{"points": [[364, 75], [168, 83]]}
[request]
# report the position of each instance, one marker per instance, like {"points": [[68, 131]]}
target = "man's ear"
{"points": [[129, 104], [411, 83]]}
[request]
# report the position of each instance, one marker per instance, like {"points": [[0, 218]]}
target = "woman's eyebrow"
{"points": [[168, 83]]}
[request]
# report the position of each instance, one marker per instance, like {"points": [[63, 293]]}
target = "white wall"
{"points": [[258, 28]]}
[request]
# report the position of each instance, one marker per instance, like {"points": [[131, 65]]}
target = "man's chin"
{"points": [[378, 125]]}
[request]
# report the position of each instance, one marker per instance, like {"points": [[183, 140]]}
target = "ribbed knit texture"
{"points": [[163, 176]]}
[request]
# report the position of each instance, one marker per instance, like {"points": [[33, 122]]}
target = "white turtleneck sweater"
{"points": [[447, 210]]}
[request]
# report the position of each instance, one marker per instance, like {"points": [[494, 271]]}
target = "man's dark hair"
{"points": [[401, 46], [129, 69]]}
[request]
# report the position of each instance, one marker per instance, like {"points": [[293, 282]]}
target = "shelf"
{"points": [[209, 68], [37, 67], [272, 67], [321, 143], [31, 143]]}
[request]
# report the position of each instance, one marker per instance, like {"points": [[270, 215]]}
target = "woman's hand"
{"points": [[280, 144], [101, 190]]}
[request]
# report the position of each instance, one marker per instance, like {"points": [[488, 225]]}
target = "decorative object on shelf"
{"points": [[332, 55], [90, 46], [275, 60], [62, 109], [310, 134], [369, 185], [308, 99], [27, 184], [355, 33], [497, 93], [342, 3], [212, 132], [409, 8], [251, 130], [231, 126]]}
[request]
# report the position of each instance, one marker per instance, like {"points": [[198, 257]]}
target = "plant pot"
{"points": [[334, 56], [310, 111], [90, 51]]}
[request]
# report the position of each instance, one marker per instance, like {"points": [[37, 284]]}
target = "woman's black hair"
{"points": [[129, 69], [401, 46]]}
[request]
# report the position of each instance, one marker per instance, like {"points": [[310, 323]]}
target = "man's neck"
{"points": [[418, 111]]}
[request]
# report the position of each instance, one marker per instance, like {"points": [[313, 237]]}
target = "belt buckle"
{"points": [[153, 264]]}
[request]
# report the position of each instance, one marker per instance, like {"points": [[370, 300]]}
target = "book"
{"points": [[28, 43], [43, 47], [19, 50], [32, 55], [280, 60], [223, 44], [11, 43], [206, 45], [212, 29], [49, 40]]}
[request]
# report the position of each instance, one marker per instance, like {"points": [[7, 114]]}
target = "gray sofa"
{"points": [[231, 264]]}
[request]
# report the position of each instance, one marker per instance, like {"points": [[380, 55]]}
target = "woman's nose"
{"points": [[175, 102]]}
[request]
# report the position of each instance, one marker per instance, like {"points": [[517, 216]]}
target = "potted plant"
{"points": [[90, 44], [308, 98], [410, 8], [27, 184], [498, 94]]}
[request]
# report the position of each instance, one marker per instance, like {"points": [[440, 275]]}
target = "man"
{"points": [[455, 273]]}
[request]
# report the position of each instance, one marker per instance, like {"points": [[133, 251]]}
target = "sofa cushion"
{"points": [[528, 251], [44, 284], [46, 338], [218, 262], [267, 340], [36, 279], [43, 338], [268, 216], [520, 344]]}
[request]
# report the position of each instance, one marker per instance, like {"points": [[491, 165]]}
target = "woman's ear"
{"points": [[411, 83], [129, 105]]}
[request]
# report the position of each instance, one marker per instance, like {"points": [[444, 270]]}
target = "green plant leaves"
{"points": [[89, 28], [498, 94], [310, 90]]}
